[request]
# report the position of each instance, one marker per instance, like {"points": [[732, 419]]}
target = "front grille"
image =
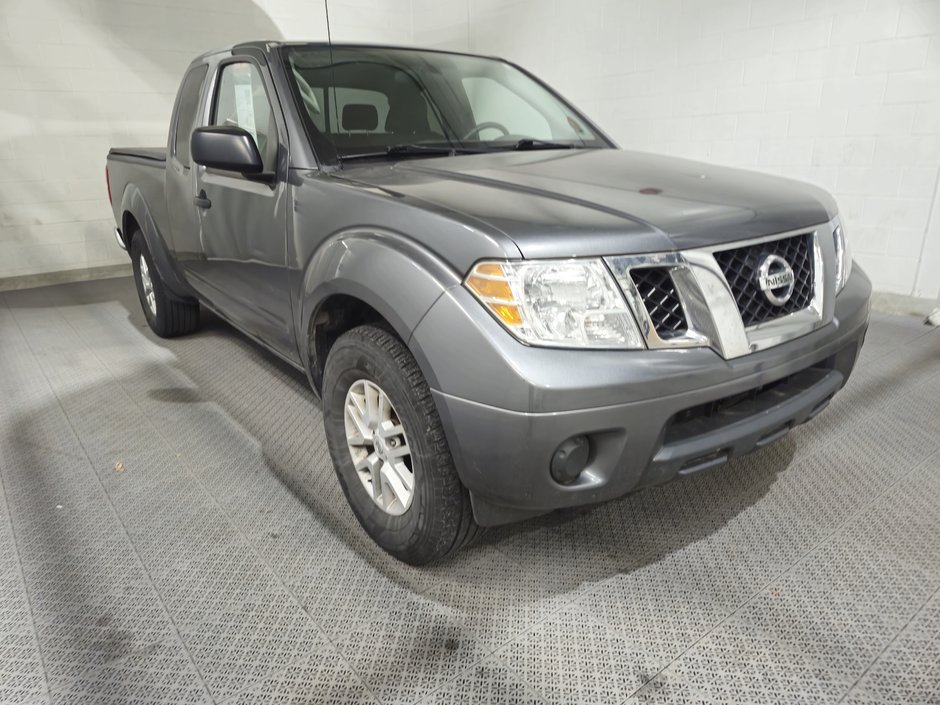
{"points": [[661, 300], [740, 267]]}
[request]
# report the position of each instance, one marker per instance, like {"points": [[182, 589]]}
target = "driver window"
{"points": [[241, 101], [491, 101]]}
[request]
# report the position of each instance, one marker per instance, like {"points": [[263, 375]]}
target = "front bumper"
{"points": [[681, 413]]}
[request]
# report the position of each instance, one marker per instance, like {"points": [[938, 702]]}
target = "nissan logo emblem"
{"points": [[775, 278]]}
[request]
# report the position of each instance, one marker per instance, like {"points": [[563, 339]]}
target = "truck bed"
{"points": [[145, 169], [154, 154]]}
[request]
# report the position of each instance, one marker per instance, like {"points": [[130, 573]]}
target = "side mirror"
{"points": [[226, 148]]}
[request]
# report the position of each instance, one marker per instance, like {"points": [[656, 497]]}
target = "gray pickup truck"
{"points": [[501, 311]]}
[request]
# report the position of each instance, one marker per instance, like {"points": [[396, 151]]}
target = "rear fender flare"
{"points": [[134, 204]]}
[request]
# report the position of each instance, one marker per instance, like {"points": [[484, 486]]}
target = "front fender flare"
{"points": [[393, 274], [134, 204]]}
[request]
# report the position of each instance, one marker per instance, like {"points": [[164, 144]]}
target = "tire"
{"points": [[167, 315], [439, 519]]}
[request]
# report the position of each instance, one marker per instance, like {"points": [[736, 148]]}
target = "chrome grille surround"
{"points": [[712, 314]]}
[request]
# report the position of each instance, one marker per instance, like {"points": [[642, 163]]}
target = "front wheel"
{"points": [[389, 450]]}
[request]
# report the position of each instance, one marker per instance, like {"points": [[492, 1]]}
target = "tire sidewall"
{"points": [[138, 250], [352, 360]]}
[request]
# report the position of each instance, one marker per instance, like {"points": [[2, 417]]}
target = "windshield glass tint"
{"points": [[367, 99]]}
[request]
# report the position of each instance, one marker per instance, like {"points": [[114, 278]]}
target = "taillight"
{"points": [[107, 180]]}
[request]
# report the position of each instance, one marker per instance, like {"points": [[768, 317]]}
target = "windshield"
{"points": [[375, 101]]}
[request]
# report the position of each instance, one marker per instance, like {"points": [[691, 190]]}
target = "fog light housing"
{"points": [[570, 459]]}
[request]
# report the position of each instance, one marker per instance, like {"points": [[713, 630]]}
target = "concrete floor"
{"points": [[171, 531]]}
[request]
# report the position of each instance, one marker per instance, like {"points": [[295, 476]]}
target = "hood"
{"points": [[555, 203]]}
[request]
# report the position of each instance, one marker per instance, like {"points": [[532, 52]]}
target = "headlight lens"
{"points": [[561, 303], [843, 257]]}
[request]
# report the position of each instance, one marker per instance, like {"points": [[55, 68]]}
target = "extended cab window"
{"points": [[358, 110], [241, 101], [186, 112]]}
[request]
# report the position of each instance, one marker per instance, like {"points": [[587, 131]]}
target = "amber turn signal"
{"points": [[489, 282]]}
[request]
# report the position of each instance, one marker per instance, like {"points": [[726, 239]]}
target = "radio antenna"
{"points": [[329, 36], [330, 92]]}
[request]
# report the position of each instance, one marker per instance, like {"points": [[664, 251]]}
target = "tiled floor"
{"points": [[171, 531]]}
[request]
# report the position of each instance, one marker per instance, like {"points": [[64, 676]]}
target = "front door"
{"points": [[243, 219]]}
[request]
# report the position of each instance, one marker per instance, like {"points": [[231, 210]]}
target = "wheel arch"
{"points": [[137, 217], [363, 276]]}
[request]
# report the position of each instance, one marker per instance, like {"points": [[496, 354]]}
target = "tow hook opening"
{"points": [[704, 462]]}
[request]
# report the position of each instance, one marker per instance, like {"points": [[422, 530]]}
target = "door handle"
{"points": [[202, 201]]}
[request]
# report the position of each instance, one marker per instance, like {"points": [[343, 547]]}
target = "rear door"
{"points": [[243, 219], [180, 176]]}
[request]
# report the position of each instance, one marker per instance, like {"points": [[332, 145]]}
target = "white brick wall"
{"points": [[79, 77], [842, 93]]}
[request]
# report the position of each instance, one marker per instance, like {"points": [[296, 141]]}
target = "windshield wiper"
{"points": [[407, 150], [533, 143], [399, 150]]}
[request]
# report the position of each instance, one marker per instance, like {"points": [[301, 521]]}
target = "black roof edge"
{"points": [[260, 47], [256, 49]]}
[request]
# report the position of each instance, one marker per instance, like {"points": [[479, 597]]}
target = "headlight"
{"points": [[843, 257], [561, 303]]}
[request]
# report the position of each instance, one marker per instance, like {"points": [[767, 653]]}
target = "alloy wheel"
{"points": [[379, 448], [147, 283]]}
